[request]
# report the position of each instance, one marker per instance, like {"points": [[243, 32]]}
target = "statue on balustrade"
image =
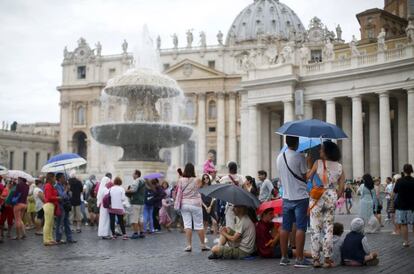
{"points": [[329, 50], [287, 52], [304, 55], [98, 48], [271, 54], [381, 40], [220, 38], [410, 32], [175, 40], [339, 33], [353, 46], [203, 42], [158, 42], [125, 46], [190, 38]]}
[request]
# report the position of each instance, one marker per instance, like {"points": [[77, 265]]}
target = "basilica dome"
{"points": [[265, 17]]}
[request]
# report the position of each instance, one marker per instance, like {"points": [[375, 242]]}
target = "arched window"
{"points": [[189, 110], [212, 110], [79, 144], [80, 115], [166, 114]]}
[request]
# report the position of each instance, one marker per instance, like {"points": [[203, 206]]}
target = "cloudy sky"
{"points": [[34, 33]]}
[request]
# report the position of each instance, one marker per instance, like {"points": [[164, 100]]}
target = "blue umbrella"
{"points": [[62, 162], [312, 128], [152, 176], [305, 144]]}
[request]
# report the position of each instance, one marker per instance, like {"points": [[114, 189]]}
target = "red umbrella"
{"points": [[277, 205]]}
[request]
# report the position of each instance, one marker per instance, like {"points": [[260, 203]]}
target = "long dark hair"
{"points": [[205, 175], [331, 151], [189, 171], [254, 189], [368, 181]]}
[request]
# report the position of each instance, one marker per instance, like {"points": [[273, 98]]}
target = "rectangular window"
{"points": [[48, 156], [37, 160], [11, 160], [166, 66], [212, 64], [24, 160], [316, 56], [82, 72], [211, 129]]}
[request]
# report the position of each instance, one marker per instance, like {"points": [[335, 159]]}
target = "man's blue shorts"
{"points": [[295, 212]]}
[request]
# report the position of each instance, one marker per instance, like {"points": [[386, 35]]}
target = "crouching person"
{"points": [[238, 243], [355, 249]]}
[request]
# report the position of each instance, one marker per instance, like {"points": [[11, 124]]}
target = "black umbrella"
{"points": [[231, 194]]}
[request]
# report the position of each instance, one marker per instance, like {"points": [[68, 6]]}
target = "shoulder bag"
{"points": [[179, 195], [106, 201]]}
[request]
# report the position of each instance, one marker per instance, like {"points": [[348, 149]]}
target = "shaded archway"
{"points": [[79, 144]]}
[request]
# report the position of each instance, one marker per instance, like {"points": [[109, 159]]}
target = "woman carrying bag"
{"points": [[323, 200]]}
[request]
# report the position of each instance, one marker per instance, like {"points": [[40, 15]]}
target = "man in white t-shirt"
{"points": [[266, 187], [292, 168], [236, 179]]}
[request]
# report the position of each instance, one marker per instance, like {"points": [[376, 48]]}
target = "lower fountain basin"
{"points": [[141, 141]]}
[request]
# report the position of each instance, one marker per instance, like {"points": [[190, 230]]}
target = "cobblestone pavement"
{"points": [[163, 253]]}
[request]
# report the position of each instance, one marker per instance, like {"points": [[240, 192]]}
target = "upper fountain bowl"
{"points": [[140, 80]]}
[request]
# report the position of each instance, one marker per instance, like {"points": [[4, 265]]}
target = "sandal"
{"points": [[328, 263], [51, 243], [125, 237], [205, 248], [317, 263], [188, 249], [406, 244]]}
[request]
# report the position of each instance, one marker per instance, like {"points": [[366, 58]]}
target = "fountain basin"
{"points": [[141, 141]]}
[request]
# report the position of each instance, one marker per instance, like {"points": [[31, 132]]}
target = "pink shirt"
{"points": [[208, 167], [189, 187]]}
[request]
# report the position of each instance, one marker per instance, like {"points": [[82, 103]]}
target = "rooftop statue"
{"points": [[98, 48], [338, 32], [353, 46], [190, 38], [125, 46], [158, 42], [220, 38], [410, 32], [175, 40], [381, 40], [329, 50], [203, 42]]}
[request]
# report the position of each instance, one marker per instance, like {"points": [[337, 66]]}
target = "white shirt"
{"points": [[117, 197], [236, 177], [266, 191], [38, 201], [293, 189]]}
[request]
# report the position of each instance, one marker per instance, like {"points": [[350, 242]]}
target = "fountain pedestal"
{"points": [[126, 168]]}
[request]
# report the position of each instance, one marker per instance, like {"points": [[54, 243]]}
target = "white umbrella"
{"points": [[63, 162], [3, 170], [14, 174]]}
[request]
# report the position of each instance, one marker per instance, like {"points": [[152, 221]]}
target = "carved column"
{"points": [[252, 146], [357, 138], [244, 133], [308, 108], [176, 151], [201, 126], [374, 146], [330, 111], [347, 143], [275, 123], [232, 141], [385, 133], [64, 126], [94, 156], [288, 111], [221, 131], [410, 122]]}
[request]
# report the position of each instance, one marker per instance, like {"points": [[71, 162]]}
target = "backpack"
{"points": [[106, 201]]}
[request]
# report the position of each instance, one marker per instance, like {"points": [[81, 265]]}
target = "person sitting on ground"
{"points": [[338, 230], [268, 237], [355, 250], [240, 241]]}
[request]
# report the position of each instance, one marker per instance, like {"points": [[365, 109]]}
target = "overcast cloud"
{"points": [[34, 33]]}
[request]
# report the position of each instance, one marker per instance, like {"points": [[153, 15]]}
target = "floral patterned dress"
{"points": [[323, 213]]}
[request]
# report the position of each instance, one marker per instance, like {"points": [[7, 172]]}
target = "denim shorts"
{"points": [[404, 217], [295, 212]]}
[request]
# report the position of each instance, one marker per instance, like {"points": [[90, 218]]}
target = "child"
{"points": [[355, 250], [338, 230], [165, 218], [340, 205]]}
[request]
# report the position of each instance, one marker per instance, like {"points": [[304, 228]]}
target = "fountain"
{"points": [[142, 134]]}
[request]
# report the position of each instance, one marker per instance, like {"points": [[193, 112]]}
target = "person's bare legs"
{"points": [[201, 236], [188, 236], [216, 249], [292, 236], [300, 244], [404, 233], [284, 238]]}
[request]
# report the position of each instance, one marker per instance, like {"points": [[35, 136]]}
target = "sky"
{"points": [[34, 33]]}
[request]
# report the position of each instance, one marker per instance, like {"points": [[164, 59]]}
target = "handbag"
{"points": [[106, 200], [317, 191], [179, 196]]}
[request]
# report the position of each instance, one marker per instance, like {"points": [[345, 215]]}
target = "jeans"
{"points": [[66, 226], [295, 211], [120, 219], [148, 212]]}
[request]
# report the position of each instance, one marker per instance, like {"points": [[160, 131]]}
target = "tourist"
{"points": [[250, 185], [51, 203], [396, 230], [148, 214], [31, 208], [355, 250], [93, 209], [39, 201], [19, 209], [65, 206], [265, 186], [378, 196], [117, 207], [238, 243], [322, 210], [76, 189], [292, 166], [404, 204], [367, 202], [209, 208], [104, 229], [388, 191], [348, 198], [89, 186], [7, 211], [159, 195], [164, 216], [137, 196], [191, 206], [231, 178], [208, 166], [338, 230]]}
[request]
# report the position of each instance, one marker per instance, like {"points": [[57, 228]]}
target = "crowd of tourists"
{"points": [[60, 205]]}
